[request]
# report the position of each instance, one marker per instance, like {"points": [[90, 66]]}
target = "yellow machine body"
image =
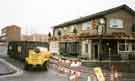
{"points": [[36, 59]]}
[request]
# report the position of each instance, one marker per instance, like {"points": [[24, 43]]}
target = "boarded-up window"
{"points": [[94, 24]]}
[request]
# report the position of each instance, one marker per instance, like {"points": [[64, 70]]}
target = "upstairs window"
{"points": [[4, 30], [65, 29], [86, 25], [116, 23], [56, 32], [71, 28], [59, 33]]}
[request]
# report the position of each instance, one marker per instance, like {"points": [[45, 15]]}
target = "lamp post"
{"points": [[100, 32]]}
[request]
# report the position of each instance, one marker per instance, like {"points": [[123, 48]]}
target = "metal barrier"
{"points": [[70, 68]]}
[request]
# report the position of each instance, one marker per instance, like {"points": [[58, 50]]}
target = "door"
{"points": [[96, 51]]}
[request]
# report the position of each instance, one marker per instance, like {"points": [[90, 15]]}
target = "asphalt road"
{"points": [[50, 75], [39, 76], [5, 69]]}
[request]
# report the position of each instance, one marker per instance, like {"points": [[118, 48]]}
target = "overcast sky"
{"points": [[38, 16]]}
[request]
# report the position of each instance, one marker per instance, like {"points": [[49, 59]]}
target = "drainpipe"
{"points": [[101, 29]]}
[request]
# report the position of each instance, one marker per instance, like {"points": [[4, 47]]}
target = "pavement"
{"points": [[8, 70]]}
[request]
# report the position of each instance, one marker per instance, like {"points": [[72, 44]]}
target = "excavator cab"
{"points": [[37, 58]]}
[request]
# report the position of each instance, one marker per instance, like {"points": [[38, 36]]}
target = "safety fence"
{"points": [[77, 72]]}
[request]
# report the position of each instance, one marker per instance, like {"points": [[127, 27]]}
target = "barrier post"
{"points": [[114, 73]]}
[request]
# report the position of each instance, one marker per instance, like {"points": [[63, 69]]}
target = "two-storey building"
{"points": [[109, 34]]}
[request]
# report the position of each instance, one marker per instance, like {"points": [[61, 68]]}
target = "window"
{"points": [[86, 25], [55, 32], [59, 33], [3, 34], [123, 46], [65, 28], [116, 23], [71, 28], [10, 47], [19, 48], [4, 38], [4, 30]]}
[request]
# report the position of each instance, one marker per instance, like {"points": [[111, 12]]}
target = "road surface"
{"points": [[50, 75]]}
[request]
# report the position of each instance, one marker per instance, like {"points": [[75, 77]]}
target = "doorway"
{"points": [[95, 51]]}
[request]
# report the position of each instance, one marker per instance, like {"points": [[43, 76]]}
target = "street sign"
{"points": [[99, 74]]}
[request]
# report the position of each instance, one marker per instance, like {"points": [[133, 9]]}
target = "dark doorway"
{"points": [[110, 50], [96, 51]]}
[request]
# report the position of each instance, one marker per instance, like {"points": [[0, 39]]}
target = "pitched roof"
{"points": [[96, 15]]}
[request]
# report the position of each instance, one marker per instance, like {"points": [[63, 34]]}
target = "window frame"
{"points": [[117, 22], [87, 25], [71, 28], [126, 46]]}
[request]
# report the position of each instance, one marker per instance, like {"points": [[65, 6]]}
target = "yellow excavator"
{"points": [[37, 58]]}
